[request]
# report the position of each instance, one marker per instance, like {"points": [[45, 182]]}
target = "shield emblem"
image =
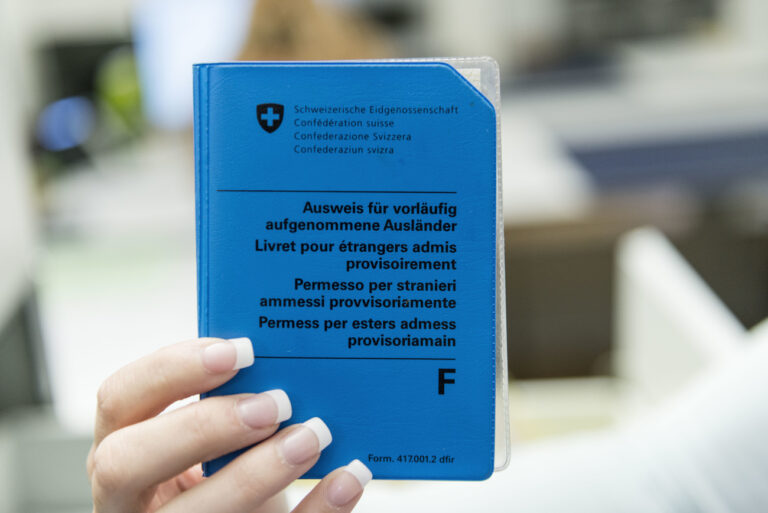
{"points": [[270, 116]]}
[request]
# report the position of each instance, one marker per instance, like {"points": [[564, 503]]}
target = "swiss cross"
{"points": [[270, 117]]}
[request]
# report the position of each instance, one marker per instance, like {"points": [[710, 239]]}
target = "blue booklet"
{"points": [[348, 223]]}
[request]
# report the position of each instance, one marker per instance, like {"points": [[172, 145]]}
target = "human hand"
{"points": [[144, 462]]}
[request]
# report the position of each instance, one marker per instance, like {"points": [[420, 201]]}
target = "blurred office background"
{"points": [[635, 147]]}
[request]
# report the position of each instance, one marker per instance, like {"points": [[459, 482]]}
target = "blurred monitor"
{"points": [[71, 99]]}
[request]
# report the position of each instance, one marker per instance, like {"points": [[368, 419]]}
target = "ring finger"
{"points": [[259, 473]]}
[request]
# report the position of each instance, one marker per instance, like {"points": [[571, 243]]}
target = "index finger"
{"points": [[144, 388]]}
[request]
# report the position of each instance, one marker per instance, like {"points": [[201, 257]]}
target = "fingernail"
{"points": [[307, 441], [229, 355], [264, 409], [349, 483]]}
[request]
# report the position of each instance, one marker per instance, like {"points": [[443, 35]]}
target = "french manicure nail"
{"points": [[348, 484], [265, 409], [307, 441], [229, 355]]}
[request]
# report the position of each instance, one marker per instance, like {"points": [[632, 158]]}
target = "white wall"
{"points": [[17, 238]]}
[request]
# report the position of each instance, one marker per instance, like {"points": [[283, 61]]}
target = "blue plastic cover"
{"points": [[347, 224]]}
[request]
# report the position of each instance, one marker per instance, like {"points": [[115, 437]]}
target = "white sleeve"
{"points": [[705, 452], [712, 440]]}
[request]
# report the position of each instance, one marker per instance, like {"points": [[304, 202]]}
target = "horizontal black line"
{"points": [[348, 358], [335, 191]]}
